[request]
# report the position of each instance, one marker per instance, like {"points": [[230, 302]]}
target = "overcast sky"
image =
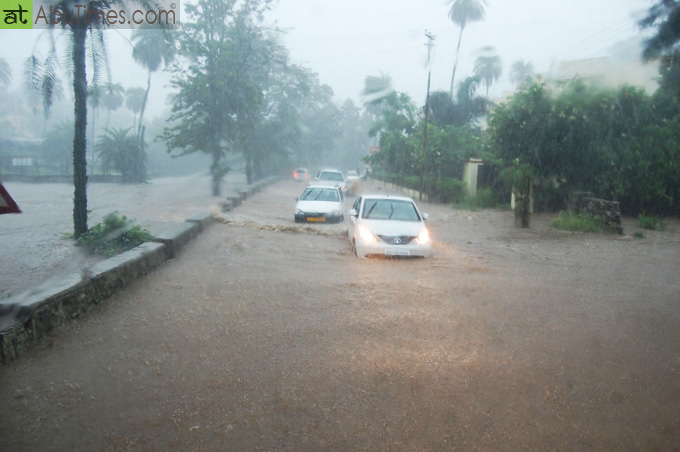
{"points": [[346, 40]]}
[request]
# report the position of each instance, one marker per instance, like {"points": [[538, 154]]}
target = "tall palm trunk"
{"points": [[80, 130], [141, 112], [455, 64]]}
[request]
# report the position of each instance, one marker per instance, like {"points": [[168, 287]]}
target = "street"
{"points": [[267, 335]]}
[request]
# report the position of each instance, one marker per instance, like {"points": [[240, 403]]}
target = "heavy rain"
{"points": [[537, 154]]}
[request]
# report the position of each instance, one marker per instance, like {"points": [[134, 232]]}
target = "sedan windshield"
{"points": [[331, 176], [320, 194], [389, 209]]}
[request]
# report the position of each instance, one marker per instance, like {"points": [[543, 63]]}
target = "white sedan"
{"points": [[320, 203], [388, 226]]}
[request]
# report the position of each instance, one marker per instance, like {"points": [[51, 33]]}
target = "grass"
{"points": [[639, 235], [571, 221], [114, 235], [651, 222], [485, 199]]}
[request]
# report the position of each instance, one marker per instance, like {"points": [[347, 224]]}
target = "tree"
{"points": [[122, 152], [665, 17], [152, 47], [463, 109], [461, 13], [134, 99], [5, 72], [663, 45], [41, 77], [112, 98], [218, 98], [488, 68], [521, 72]]}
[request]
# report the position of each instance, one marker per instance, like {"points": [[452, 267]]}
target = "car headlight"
{"points": [[366, 235], [299, 212], [424, 237]]}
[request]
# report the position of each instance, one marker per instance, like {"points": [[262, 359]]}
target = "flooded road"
{"points": [[267, 335], [36, 247]]}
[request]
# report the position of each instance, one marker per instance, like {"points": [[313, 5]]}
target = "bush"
{"points": [[114, 235], [571, 221], [447, 190], [651, 222]]}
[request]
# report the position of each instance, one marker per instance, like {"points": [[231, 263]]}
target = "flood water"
{"points": [[267, 335]]}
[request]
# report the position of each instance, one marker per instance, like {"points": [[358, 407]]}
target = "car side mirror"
{"points": [[426, 216], [316, 177], [297, 199], [353, 213]]}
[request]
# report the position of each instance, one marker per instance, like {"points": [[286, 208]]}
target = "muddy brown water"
{"points": [[266, 335]]}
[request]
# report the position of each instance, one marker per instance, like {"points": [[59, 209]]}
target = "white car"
{"points": [[388, 226], [352, 175], [332, 176], [320, 203]]}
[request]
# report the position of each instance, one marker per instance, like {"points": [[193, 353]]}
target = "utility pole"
{"points": [[430, 43]]}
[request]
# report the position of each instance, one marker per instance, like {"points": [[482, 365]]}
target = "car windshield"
{"points": [[390, 209], [331, 176], [320, 194]]}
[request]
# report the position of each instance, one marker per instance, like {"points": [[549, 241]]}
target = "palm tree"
{"points": [[134, 99], [112, 98], [488, 68], [152, 47], [41, 79], [122, 152], [5, 72], [462, 12], [521, 72], [94, 98]]}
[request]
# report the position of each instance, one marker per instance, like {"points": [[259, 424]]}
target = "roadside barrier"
{"points": [[28, 317]]}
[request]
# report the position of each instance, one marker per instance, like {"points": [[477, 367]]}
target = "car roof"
{"points": [[330, 170], [384, 196], [323, 184]]}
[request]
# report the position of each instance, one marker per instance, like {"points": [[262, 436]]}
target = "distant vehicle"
{"points": [[301, 174], [353, 182], [320, 203], [352, 176], [388, 226], [333, 175]]}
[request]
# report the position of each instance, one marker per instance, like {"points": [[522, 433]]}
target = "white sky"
{"points": [[346, 40]]}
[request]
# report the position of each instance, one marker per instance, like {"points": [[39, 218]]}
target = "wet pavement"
{"points": [[36, 244], [267, 335]]}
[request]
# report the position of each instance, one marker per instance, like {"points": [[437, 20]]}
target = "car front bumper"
{"points": [[380, 248], [314, 218]]}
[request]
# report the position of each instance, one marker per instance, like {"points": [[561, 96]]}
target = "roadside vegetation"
{"points": [[114, 235], [237, 94], [577, 222]]}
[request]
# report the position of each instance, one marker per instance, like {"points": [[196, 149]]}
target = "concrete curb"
{"points": [[26, 318]]}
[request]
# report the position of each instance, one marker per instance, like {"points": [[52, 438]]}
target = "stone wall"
{"points": [[26, 318], [606, 212]]}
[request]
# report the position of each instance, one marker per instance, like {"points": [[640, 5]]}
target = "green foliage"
{"points": [[615, 143], [639, 235], [114, 235], [122, 152], [571, 221], [651, 222], [220, 93], [448, 190]]}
